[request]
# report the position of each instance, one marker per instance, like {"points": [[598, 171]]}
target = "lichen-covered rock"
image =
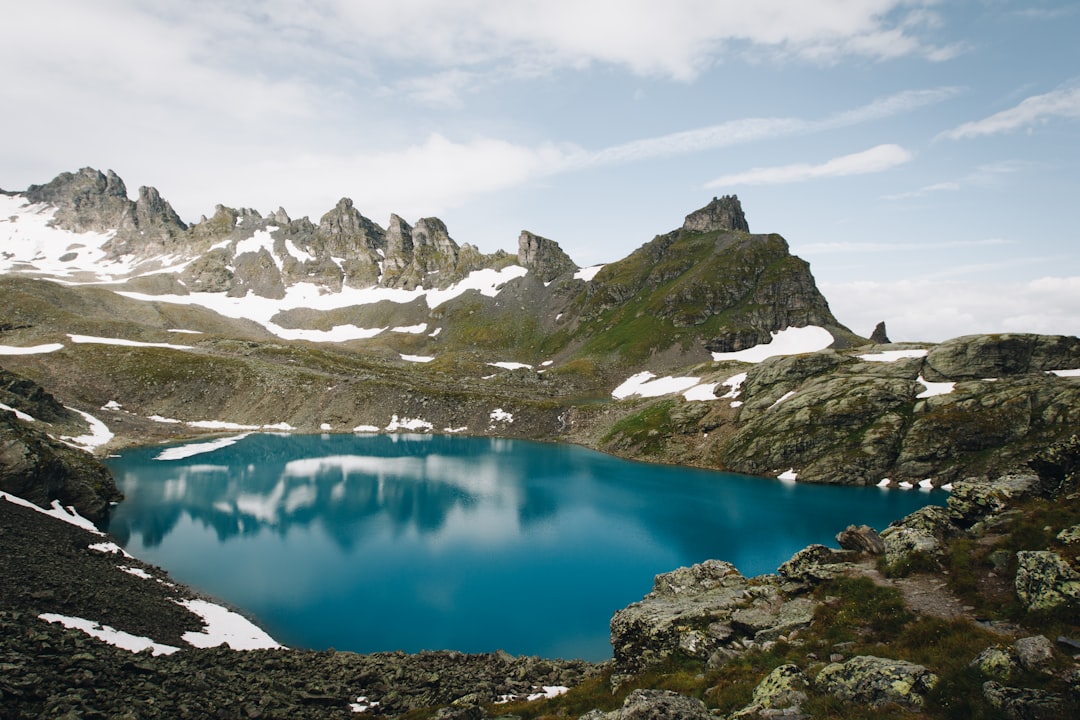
{"points": [[785, 688], [1070, 535], [975, 498], [996, 663], [654, 705], [678, 615], [877, 681], [1034, 653], [1025, 703], [973, 357], [1045, 581], [815, 564], [903, 545]]}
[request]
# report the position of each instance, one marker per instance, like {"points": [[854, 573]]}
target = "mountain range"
{"points": [[709, 345]]}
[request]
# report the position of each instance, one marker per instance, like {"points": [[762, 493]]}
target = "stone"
{"points": [[877, 681], [999, 355], [1045, 581], [662, 705], [995, 663], [973, 499], [1035, 653], [1070, 535], [785, 687], [861, 539], [1025, 703], [816, 563]]}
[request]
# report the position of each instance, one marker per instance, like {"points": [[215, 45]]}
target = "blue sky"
{"points": [[922, 156]]}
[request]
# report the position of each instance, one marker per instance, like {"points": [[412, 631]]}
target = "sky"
{"points": [[922, 156]]}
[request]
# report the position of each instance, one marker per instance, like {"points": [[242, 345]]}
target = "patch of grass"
{"points": [[645, 430], [858, 610]]}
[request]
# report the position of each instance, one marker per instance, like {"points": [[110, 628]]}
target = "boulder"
{"points": [[1045, 581], [785, 688], [996, 663], [815, 564], [1035, 653], [877, 681], [1025, 703], [861, 539], [974, 357], [654, 705], [973, 499], [686, 611]]}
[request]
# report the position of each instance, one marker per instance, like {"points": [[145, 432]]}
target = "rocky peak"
{"points": [[86, 201], [724, 213], [345, 232], [281, 217], [543, 256], [151, 210]]}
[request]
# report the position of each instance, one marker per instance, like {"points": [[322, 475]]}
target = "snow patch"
{"points": [[498, 415], [782, 398], [190, 450], [411, 329], [417, 358], [226, 627], [109, 548], [125, 343], [701, 393], [644, 385], [32, 350], [18, 413], [98, 436], [408, 424], [362, 705], [893, 355], [934, 388], [511, 365], [790, 341], [587, 274], [137, 572], [788, 476], [110, 635], [1067, 373], [366, 429]]}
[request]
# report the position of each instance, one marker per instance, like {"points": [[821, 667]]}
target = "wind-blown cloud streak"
{"points": [[1033, 110], [876, 159]]}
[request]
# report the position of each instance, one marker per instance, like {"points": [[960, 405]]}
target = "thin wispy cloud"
{"points": [[1036, 109], [904, 247], [876, 159], [983, 176]]}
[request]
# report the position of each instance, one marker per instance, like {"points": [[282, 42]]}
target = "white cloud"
{"points": [[983, 176], [876, 159], [1038, 108], [933, 310]]}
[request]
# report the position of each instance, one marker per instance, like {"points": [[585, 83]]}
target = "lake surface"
{"points": [[412, 542]]}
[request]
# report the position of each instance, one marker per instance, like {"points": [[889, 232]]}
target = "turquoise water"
{"points": [[412, 542]]}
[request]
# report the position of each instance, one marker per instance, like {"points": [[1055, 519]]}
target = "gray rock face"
{"points": [[976, 357], [724, 213], [877, 681], [1034, 653], [816, 563], [1025, 703], [922, 533], [976, 498], [542, 256], [703, 611], [861, 539], [880, 336], [655, 705], [1045, 581], [37, 468]]}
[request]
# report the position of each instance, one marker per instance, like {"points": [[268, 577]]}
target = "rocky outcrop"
{"points": [[654, 705], [877, 682], [781, 693], [37, 468], [543, 257], [879, 336], [708, 611], [1025, 703], [1046, 581], [723, 213]]}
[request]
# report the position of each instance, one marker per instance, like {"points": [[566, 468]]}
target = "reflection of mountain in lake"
{"points": [[276, 483]]}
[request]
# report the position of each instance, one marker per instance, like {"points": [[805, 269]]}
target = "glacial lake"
{"points": [[413, 542]]}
